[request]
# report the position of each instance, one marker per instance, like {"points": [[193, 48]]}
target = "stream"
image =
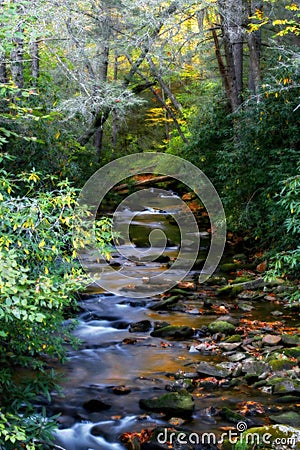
{"points": [[117, 364]]}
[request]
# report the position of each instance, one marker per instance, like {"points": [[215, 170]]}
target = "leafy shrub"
{"points": [[39, 278], [287, 263]]}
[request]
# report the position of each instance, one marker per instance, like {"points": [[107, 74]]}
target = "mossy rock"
{"points": [[230, 290], [164, 305], [173, 332], [290, 339], [268, 437], [231, 416], [281, 364], [293, 352], [175, 404], [234, 338], [287, 418], [242, 279], [229, 267], [220, 326]]}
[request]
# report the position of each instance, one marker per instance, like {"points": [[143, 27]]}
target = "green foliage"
{"points": [[249, 153], [287, 263], [38, 283]]}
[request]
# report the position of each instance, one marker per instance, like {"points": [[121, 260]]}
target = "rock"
{"points": [[290, 399], [234, 289], [276, 437], [230, 290], [229, 267], [181, 384], [121, 390], [291, 339], [287, 418], [162, 259], [232, 416], [164, 305], [205, 368], [236, 357], [173, 332], [245, 306], [285, 386], [95, 405], [271, 339], [281, 364], [179, 404], [292, 352], [234, 338], [276, 313], [216, 281], [140, 327], [228, 319], [229, 346], [220, 326], [255, 368]]}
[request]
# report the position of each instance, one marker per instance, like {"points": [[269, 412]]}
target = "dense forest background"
{"points": [[85, 82]]}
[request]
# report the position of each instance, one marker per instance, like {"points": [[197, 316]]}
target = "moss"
{"points": [[234, 338], [230, 290], [265, 438], [292, 352], [220, 326], [281, 364], [179, 404]]}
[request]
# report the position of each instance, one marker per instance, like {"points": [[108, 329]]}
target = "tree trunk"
{"points": [[16, 63], [35, 62], [3, 71], [232, 15], [254, 45]]}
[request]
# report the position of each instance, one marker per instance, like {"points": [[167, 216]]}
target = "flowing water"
{"points": [[111, 356]]}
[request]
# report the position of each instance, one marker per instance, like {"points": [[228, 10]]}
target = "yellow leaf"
{"points": [[42, 244], [57, 135]]}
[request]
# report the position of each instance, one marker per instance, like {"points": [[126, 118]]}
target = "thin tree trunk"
{"points": [[114, 137], [16, 64], [222, 67], [164, 86], [35, 62], [254, 45], [3, 70]]}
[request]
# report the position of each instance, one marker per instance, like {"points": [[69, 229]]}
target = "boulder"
{"points": [[271, 339], [205, 368], [173, 332], [220, 326], [178, 404], [140, 327], [287, 418]]}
